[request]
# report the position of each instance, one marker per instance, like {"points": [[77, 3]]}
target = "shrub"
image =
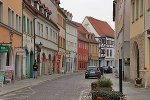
{"points": [[104, 82]]}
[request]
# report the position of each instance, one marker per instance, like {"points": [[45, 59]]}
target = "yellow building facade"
{"points": [[137, 39], [93, 50], [61, 59]]}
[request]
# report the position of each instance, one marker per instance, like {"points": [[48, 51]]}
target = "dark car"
{"points": [[107, 69], [92, 71]]}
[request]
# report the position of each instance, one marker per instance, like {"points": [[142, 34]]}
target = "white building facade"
{"points": [[106, 52], [121, 17], [46, 33], [71, 45]]}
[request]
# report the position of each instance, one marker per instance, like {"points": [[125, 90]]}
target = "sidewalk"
{"points": [[129, 90], [17, 85]]}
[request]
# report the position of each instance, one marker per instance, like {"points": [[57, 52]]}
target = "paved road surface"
{"points": [[72, 87]]}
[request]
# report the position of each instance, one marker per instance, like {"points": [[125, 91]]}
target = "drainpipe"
{"points": [[145, 35], [22, 42], [123, 39], [34, 37]]}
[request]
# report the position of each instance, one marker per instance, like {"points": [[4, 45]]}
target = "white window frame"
{"points": [[10, 17], [1, 10]]}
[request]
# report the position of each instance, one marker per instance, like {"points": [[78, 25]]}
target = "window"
{"points": [[107, 52], [47, 32], [31, 26], [141, 7], [41, 30], [96, 50], [1, 10], [10, 18], [50, 34], [137, 8], [24, 23], [56, 38], [133, 11], [93, 49], [53, 36], [28, 25], [90, 48], [110, 53], [75, 47], [38, 27], [18, 20]]}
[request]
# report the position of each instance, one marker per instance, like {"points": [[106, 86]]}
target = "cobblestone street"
{"points": [[71, 87]]}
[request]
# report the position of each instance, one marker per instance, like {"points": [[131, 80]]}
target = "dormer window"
{"points": [[45, 11], [36, 4], [49, 13], [41, 7]]}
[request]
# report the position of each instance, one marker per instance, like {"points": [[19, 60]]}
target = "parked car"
{"points": [[107, 69], [92, 71]]}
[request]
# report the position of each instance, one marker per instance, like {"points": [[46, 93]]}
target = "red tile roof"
{"points": [[82, 37], [82, 30], [101, 27]]}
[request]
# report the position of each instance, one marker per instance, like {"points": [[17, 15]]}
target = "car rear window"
{"points": [[92, 68]]}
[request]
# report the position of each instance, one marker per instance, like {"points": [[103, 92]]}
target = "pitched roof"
{"points": [[82, 37], [101, 27], [83, 32], [81, 28]]}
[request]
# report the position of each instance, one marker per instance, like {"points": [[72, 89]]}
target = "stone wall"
{"points": [[139, 39]]}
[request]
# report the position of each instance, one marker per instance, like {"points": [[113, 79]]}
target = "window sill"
{"points": [[148, 9], [141, 15], [136, 19]]}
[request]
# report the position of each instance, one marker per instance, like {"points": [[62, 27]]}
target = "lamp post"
{"points": [[89, 59], [39, 47]]}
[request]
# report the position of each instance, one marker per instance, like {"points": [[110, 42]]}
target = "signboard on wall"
{"points": [[4, 48], [2, 73], [58, 57], [20, 51], [43, 59]]}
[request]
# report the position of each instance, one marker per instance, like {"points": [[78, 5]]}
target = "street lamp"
{"points": [[39, 47], [89, 58]]}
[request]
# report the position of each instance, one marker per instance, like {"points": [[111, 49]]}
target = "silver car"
{"points": [[92, 71]]}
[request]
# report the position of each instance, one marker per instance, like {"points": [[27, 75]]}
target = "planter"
{"points": [[138, 80], [93, 86], [99, 98]]}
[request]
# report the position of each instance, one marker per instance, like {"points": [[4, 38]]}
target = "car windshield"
{"points": [[105, 66], [91, 68]]}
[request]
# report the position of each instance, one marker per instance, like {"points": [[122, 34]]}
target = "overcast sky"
{"points": [[99, 9]]}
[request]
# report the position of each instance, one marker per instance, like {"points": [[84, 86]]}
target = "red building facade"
{"points": [[82, 52], [83, 47]]}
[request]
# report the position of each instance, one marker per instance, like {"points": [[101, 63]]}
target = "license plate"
{"points": [[92, 72]]}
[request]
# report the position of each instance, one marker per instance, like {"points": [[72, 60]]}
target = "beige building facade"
{"points": [[61, 61]]}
